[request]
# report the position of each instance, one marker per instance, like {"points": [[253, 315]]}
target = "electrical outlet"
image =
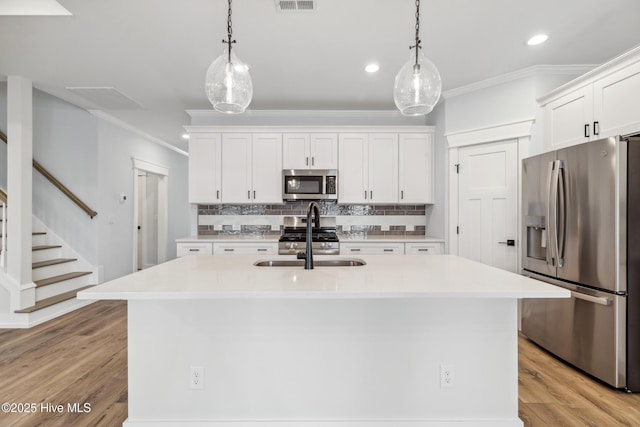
{"points": [[196, 377], [446, 376]]}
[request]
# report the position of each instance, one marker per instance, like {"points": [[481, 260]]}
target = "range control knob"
{"points": [[323, 244], [329, 245]]}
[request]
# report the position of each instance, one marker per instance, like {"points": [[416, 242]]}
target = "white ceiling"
{"points": [[157, 52]]}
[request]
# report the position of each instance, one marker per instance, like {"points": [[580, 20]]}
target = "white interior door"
{"points": [[487, 218]]}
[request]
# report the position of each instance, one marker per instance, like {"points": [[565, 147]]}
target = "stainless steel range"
{"points": [[325, 238]]}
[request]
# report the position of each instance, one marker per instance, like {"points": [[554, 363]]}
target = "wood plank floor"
{"points": [[82, 357], [78, 358]]}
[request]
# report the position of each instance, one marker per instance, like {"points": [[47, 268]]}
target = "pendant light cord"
{"points": [[418, 41], [230, 32]]}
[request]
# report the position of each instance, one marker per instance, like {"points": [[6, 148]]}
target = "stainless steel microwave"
{"points": [[310, 184]]}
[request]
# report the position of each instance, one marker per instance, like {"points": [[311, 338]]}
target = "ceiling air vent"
{"points": [[296, 5]]}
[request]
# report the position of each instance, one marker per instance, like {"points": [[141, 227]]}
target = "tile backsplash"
{"points": [[352, 220]]}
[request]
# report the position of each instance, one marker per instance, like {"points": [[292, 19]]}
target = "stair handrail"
{"points": [[56, 184]]}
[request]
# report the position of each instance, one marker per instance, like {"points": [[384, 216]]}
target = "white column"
{"points": [[19, 179]]}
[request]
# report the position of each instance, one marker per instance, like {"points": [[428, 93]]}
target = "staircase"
{"points": [[58, 274]]}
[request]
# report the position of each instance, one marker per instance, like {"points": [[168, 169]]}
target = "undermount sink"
{"points": [[341, 262]]}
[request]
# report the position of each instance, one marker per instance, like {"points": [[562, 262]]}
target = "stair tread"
{"points": [[47, 302], [52, 262], [43, 247], [35, 233], [60, 278]]}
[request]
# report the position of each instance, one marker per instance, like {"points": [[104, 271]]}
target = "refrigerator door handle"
{"points": [[589, 298], [561, 231], [548, 222], [552, 212]]}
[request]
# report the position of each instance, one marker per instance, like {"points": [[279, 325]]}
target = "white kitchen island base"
{"points": [[340, 347]]}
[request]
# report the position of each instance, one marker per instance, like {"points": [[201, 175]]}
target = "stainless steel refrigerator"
{"points": [[581, 231]]}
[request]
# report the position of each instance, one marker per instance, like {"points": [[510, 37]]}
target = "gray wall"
{"points": [[92, 157]]}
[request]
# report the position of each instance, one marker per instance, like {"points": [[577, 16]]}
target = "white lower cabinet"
{"points": [[245, 248], [374, 248], [423, 248], [186, 249]]}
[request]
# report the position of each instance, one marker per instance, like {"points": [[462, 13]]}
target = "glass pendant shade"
{"points": [[418, 87], [228, 84]]}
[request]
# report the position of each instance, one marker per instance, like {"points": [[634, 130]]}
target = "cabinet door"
{"points": [[267, 168], [372, 248], [383, 168], [353, 168], [245, 248], [204, 168], [615, 101], [423, 248], [415, 169], [236, 168], [568, 120], [323, 149], [295, 152], [187, 249]]}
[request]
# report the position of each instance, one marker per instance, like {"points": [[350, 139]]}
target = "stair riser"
{"points": [[45, 254], [56, 310], [62, 287], [39, 240], [54, 270]]}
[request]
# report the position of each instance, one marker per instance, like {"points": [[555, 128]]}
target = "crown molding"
{"points": [[124, 125], [619, 62], [535, 71]]}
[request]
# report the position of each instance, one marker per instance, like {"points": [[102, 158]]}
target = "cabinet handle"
{"points": [[262, 249], [307, 161], [586, 131], [371, 194], [355, 249], [313, 161], [229, 249], [217, 194], [388, 250], [254, 194], [365, 194], [596, 128], [194, 250], [401, 194], [249, 194], [423, 250]]}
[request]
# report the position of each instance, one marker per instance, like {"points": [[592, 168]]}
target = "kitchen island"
{"points": [[400, 341]]}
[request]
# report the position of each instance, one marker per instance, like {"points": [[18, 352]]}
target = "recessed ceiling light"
{"points": [[185, 136], [537, 39], [372, 68]]}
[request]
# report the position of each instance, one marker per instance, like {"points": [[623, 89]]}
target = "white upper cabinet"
{"points": [[615, 102], [205, 168], [267, 168], [569, 119], [251, 168], [600, 104], [383, 168], [310, 151], [368, 168], [353, 168], [415, 168]]}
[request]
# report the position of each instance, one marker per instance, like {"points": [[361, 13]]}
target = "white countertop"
{"points": [[218, 238], [410, 276]]}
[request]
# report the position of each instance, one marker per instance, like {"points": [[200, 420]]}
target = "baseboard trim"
{"points": [[510, 422]]}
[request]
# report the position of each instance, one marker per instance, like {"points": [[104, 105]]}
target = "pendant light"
{"points": [[228, 82], [417, 86]]}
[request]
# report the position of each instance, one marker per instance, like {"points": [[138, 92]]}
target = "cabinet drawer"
{"points": [[423, 248], [245, 248], [372, 248], [186, 249]]}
